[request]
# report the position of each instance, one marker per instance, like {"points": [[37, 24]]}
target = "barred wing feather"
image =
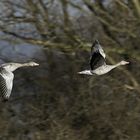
{"points": [[6, 84]]}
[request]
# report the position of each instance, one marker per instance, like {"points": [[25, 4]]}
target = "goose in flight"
{"points": [[7, 76], [98, 64]]}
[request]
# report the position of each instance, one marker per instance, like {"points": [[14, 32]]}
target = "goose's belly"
{"points": [[102, 70]]}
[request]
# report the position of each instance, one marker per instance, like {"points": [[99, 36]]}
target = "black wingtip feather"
{"points": [[4, 99], [96, 42]]}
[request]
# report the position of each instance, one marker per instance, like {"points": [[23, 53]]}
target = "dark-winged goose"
{"points": [[98, 64]]}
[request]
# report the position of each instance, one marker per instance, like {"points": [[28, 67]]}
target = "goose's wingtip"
{"points": [[78, 72], [5, 100], [96, 41]]}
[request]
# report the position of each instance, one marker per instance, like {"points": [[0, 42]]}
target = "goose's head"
{"points": [[124, 62], [32, 64]]}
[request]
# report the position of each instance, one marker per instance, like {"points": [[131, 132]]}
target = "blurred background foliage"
{"points": [[52, 102]]}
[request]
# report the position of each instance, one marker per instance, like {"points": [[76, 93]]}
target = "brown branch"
{"points": [[134, 81]]}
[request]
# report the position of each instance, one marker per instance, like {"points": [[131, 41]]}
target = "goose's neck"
{"points": [[19, 65], [25, 64], [116, 65], [13, 66], [16, 66]]}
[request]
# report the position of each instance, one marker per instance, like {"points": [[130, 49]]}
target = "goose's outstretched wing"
{"points": [[6, 84], [97, 58]]}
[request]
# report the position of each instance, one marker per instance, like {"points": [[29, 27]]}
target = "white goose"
{"points": [[7, 76], [97, 61]]}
